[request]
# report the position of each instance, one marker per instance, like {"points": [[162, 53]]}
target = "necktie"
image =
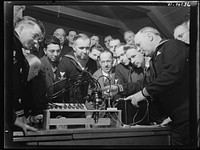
{"points": [[106, 81]]}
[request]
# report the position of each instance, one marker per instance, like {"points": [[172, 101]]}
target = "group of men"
{"points": [[147, 67]]}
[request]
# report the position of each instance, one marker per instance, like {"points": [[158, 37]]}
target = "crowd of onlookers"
{"points": [[144, 67]]}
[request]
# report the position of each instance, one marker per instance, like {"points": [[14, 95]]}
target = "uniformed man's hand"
{"points": [[135, 98], [166, 121], [21, 122]]}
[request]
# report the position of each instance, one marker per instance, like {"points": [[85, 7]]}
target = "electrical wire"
{"points": [[134, 123]]}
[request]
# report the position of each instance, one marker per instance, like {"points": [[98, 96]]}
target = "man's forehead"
{"points": [[81, 41], [59, 31], [131, 52], [113, 43], [53, 46], [119, 49], [37, 31], [129, 34], [105, 56], [180, 29], [72, 32], [108, 38], [138, 37], [95, 37], [94, 50]]}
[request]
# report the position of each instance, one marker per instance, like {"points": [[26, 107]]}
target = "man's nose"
{"points": [[106, 64], [55, 53], [85, 50], [132, 61], [121, 59], [36, 42]]}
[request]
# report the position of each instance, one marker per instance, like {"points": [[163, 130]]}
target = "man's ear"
{"points": [[66, 37], [35, 68], [45, 50], [150, 37], [21, 27], [73, 46]]}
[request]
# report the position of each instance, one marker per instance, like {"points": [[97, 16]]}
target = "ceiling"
{"points": [[110, 19]]}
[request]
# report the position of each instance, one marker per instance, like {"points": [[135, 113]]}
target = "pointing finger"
{"points": [[128, 98]]}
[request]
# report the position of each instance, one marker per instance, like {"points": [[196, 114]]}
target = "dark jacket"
{"points": [[20, 74], [65, 50], [49, 75], [129, 78], [34, 100], [129, 75], [170, 79]]}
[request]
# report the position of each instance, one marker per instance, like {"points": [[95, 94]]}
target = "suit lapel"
{"points": [[48, 68]]}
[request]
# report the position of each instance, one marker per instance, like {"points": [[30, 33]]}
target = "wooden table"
{"points": [[136, 135]]}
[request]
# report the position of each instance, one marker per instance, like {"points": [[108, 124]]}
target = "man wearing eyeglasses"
{"points": [[71, 67]]}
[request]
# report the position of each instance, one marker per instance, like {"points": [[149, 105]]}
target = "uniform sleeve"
{"points": [[17, 93], [39, 93], [130, 87], [119, 75], [173, 58]]}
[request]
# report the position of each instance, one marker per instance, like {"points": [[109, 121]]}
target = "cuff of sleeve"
{"points": [[19, 113], [145, 93], [120, 88]]}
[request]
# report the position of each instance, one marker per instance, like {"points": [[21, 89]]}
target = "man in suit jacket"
{"points": [[27, 32], [49, 62], [106, 74], [39, 90]]}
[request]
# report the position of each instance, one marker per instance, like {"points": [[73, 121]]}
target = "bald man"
{"points": [[182, 32], [28, 32], [169, 83], [129, 37]]}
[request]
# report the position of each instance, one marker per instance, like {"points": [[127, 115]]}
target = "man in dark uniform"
{"points": [[169, 80], [71, 67], [28, 32]]}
